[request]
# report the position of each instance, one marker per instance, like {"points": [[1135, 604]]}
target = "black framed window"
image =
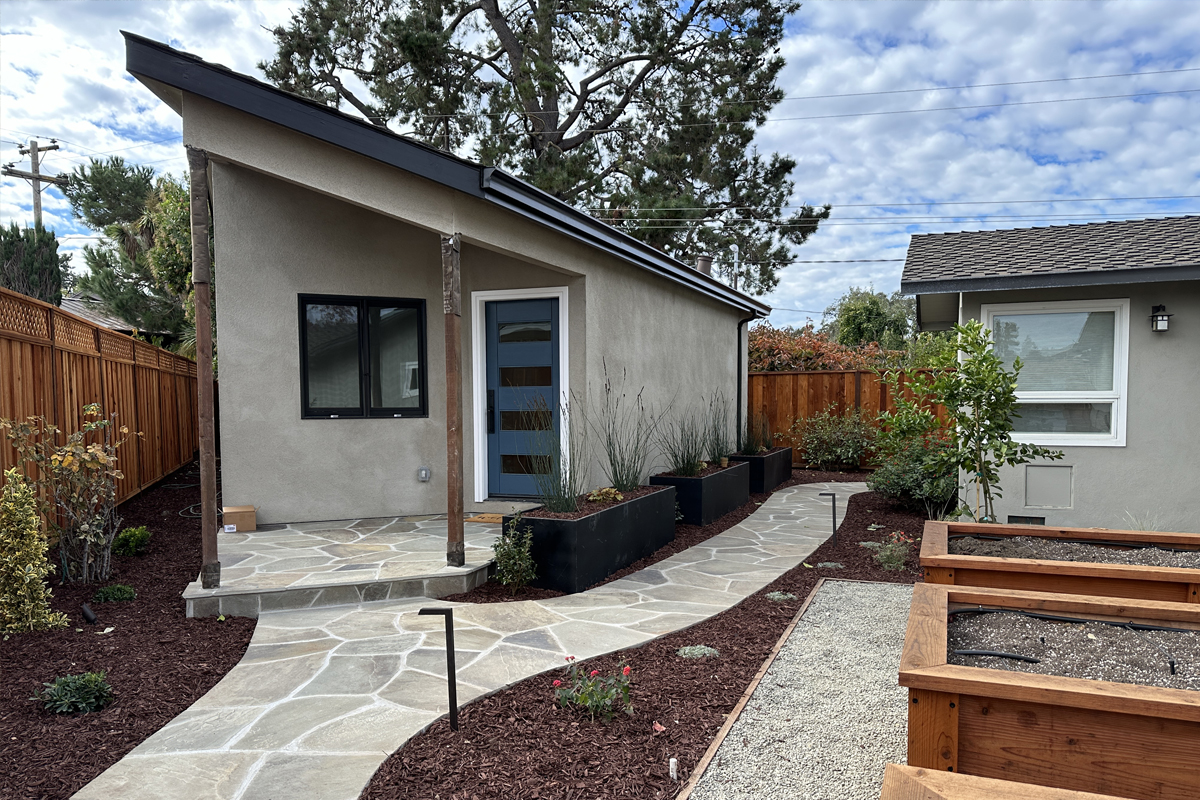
{"points": [[362, 357]]}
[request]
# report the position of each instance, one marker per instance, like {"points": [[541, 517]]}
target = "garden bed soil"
{"points": [[158, 661], [711, 469], [1063, 550], [1092, 650], [586, 507], [685, 536], [518, 743]]}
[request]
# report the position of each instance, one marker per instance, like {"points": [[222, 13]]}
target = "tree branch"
{"points": [[371, 115]]}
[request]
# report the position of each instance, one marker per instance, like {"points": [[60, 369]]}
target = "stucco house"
{"points": [[1116, 391], [328, 237]]}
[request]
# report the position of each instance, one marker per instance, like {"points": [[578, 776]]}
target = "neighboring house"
{"points": [[1121, 400], [88, 307], [328, 232]]}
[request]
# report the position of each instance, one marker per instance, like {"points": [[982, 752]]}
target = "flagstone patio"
{"points": [[313, 564], [324, 695]]}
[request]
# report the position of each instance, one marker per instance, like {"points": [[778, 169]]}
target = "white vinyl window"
{"points": [[1075, 357]]}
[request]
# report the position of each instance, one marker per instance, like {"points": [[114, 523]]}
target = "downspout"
{"points": [[740, 427]]}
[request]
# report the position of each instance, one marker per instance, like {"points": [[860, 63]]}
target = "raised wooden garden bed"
{"points": [[573, 554], [767, 470], [913, 783], [1170, 584], [1111, 738], [702, 500]]}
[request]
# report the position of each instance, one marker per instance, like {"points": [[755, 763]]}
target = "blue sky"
{"points": [[888, 175]]}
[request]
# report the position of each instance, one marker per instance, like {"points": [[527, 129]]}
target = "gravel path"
{"points": [[1060, 550], [829, 713]]}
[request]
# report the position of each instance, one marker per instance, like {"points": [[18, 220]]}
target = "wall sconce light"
{"points": [[1159, 319]]}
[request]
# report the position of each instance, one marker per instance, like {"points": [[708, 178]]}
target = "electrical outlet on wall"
{"points": [[424, 474]]}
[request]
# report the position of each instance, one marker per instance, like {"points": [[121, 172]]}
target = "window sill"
{"points": [[1068, 440]]}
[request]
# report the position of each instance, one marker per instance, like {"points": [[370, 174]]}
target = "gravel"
{"points": [[1060, 550], [1092, 650], [829, 714]]}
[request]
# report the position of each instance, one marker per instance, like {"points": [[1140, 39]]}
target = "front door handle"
{"points": [[491, 410]]}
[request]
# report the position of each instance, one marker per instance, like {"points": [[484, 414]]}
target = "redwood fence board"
{"points": [[53, 363]]}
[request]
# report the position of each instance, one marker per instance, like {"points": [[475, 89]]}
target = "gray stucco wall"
{"points": [[1156, 475], [275, 240]]}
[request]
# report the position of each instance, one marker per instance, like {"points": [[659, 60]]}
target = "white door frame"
{"points": [[479, 369]]}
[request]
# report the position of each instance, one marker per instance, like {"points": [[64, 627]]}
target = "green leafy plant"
{"points": [[78, 481], [718, 443], [605, 496], [626, 430], [892, 555], [980, 397], [757, 437], [833, 438], [781, 597], [697, 651], [131, 541], [915, 473], [116, 593], [682, 440], [24, 595], [600, 697], [514, 559], [71, 694]]}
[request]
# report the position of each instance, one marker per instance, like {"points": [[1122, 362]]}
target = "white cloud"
{"points": [[62, 74]]}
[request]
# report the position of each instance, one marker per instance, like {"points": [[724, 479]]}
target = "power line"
{"points": [[900, 218], [925, 203]]}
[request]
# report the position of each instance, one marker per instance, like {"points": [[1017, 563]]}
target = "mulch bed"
{"points": [[158, 661], [519, 743], [685, 536]]}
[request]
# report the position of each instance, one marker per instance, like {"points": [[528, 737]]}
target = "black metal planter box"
{"points": [[767, 470], [703, 500], [573, 554]]}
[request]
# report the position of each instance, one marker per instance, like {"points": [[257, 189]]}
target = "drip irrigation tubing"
{"points": [[998, 654], [1139, 626]]}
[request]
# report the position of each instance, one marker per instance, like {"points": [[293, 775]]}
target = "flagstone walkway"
{"points": [[324, 695]]}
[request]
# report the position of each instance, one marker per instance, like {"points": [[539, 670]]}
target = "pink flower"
{"points": [[626, 671], [557, 683], [594, 673]]}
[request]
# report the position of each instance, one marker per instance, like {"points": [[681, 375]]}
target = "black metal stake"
{"points": [[834, 496], [451, 679]]}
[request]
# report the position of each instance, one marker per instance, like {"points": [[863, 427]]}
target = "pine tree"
{"points": [[31, 264]]}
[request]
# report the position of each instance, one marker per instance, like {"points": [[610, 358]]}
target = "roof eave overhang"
{"points": [[159, 67], [1054, 280]]}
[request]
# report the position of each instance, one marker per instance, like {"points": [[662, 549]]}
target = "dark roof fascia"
{"points": [[151, 59], [1054, 280], [156, 61], [518, 196]]}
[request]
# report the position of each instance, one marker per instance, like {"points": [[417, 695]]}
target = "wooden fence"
{"points": [[52, 363], [784, 397]]}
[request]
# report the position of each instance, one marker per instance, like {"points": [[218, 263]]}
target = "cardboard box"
{"points": [[238, 518]]}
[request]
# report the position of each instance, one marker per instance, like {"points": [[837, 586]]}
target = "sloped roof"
{"points": [[1132, 251], [87, 307], [146, 58]]}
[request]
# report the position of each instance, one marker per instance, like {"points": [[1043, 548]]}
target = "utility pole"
{"points": [[35, 175]]}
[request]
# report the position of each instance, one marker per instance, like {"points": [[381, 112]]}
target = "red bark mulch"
{"points": [[158, 661], [685, 536], [519, 743]]}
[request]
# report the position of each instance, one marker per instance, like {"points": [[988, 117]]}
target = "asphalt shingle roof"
{"points": [[940, 260]]}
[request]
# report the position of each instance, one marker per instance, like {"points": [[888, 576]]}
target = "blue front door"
{"points": [[522, 392]]}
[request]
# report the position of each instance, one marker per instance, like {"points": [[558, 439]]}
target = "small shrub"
{"points": [[117, 593], [914, 472], [781, 597], [871, 545], [131, 541], [892, 555], [600, 697], [833, 439], [24, 595], [831, 565], [609, 495], [71, 694], [514, 559], [697, 651]]}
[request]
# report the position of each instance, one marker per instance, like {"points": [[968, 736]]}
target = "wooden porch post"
{"points": [[452, 308], [210, 570]]}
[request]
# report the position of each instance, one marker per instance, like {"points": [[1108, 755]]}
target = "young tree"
{"points": [[862, 316], [642, 113], [31, 264]]}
